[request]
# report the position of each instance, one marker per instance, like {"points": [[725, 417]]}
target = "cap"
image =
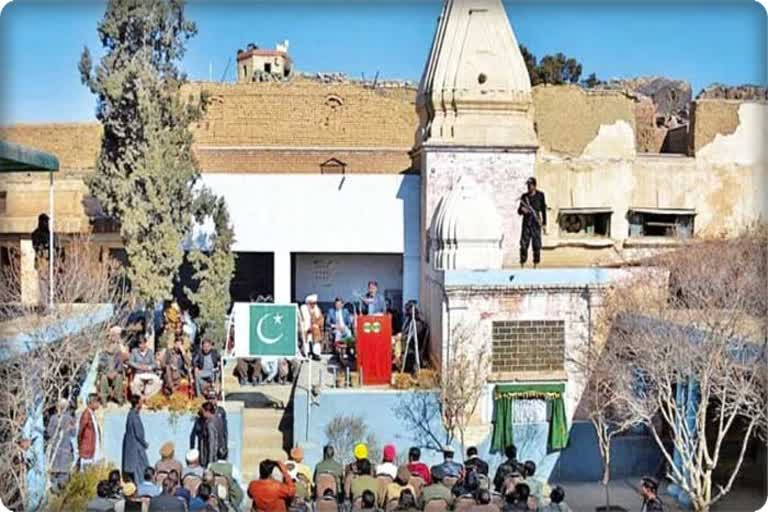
{"points": [[193, 455], [361, 451], [166, 450], [297, 453], [389, 453], [129, 489], [311, 298]]}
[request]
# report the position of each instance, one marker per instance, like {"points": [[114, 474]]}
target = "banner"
{"points": [[264, 330], [374, 348]]}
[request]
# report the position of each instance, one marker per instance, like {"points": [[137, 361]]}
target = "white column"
{"points": [[282, 277], [30, 282]]}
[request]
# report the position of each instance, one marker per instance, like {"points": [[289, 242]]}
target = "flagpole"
{"points": [[309, 398]]}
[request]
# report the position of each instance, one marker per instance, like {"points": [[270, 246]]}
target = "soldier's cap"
{"points": [[650, 483]]}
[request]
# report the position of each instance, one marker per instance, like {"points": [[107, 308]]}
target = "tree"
{"points": [[463, 379], [591, 81], [557, 69], [55, 359], [692, 358], [344, 432], [605, 407], [146, 173]]}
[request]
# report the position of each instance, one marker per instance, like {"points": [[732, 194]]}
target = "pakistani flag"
{"points": [[272, 330]]}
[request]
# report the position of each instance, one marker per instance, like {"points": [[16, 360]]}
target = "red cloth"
{"points": [[270, 495], [374, 348], [422, 470], [86, 436]]}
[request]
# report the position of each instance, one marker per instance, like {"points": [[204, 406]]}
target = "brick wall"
{"points": [[529, 345]]}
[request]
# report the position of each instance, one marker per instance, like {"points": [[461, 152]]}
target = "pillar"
{"points": [[29, 279], [282, 277]]}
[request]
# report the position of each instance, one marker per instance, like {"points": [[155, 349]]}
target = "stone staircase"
{"points": [[267, 422]]}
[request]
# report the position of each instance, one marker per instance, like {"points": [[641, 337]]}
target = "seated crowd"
{"points": [[412, 486], [179, 363]]}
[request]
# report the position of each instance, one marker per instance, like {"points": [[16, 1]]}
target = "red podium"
{"points": [[374, 348]]}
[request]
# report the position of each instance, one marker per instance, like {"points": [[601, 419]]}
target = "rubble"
{"points": [[738, 92]]}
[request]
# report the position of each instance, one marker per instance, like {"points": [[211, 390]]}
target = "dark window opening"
{"points": [[267, 67], [584, 222], [669, 223], [3, 201]]}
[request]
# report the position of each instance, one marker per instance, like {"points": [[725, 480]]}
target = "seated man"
{"points": [[224, 468], [101, 503], [312, 323], [111, 374], [148, 487], [142, 361], [205, 366], [339, 321], [248, 370], [176, 364]]}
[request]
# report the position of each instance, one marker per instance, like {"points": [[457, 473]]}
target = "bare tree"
{"points": [[692, 360], [48, 364], [463, 379], [344, 432], [602, 402]]}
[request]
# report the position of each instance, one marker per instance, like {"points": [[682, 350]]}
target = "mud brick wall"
{"points": [[529, 345]]}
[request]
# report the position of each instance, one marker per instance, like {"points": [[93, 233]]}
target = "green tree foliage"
{"points": [[146, 172], [555, 69]]}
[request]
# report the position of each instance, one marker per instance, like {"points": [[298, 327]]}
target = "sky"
{"points": [[703, 42]]}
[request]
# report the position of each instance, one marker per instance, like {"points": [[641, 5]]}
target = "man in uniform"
{"points": [[111, 363], [533, 208], [649, 488]]}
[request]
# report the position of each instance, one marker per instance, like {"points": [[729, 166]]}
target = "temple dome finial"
{"points": [[475, 89]]}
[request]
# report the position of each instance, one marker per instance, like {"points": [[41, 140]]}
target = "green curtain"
{"points": [[502, 425], [558, 426], [504, 397]]}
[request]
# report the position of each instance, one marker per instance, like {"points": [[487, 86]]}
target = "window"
{"points": [[3, 199], [661, 222], [585, 222], [267, 67]]}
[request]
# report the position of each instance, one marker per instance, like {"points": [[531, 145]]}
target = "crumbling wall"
{"points": [[709, 118], [568, 118], [306, 113]]}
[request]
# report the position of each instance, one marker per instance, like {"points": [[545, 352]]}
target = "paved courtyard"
{"points": [[585, 496]]}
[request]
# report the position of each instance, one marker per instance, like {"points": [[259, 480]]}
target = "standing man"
{"points": [[61, 432], [89, 433], [373, 303], [135, 444], [649, 488], [312, 322], [533, 208]]}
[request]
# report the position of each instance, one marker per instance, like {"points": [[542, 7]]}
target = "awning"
{"points": [[18, 158], [664, 211]]}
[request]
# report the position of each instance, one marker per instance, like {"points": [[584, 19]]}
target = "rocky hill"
{"points": [[738, 92]]}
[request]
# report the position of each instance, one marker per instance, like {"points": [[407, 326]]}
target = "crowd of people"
{"points": [[164, 355], [289, 486]]}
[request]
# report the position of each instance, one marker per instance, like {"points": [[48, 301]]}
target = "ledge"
{"points": [[653, 241], [528, 376]]}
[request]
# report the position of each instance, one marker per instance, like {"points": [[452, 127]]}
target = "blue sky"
{"points": [[702, 42]]}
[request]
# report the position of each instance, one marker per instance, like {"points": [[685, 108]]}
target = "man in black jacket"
{"points": [[475, 463], [205, 365], [649, 488], [507, 469], [533, 208]]}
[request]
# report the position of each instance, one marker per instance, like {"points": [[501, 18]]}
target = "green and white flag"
{"points": [[272, 330]]}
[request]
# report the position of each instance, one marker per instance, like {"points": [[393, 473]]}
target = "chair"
{"points": [[192, 484], [383, 481], [326, 505], [450, 481], [160, 477], [324, 481], [464, 504], [438, 505], [497, 499], [418, 484], [490, 507]]}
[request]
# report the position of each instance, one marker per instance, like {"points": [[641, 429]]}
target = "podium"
{"points": [[374, 348]]}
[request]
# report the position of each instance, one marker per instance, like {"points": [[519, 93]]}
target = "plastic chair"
{"points": [[326, 505], [464, 504], [418, 484], [437, 505], [323, 482], [450, 481]]}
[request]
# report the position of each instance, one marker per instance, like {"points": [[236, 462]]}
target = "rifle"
{"points": [[534, 213]]}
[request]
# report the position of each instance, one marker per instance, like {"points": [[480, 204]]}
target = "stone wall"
{"points": [[528, 345], [302, 113]]}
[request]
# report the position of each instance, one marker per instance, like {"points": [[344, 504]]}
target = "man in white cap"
{"points": [[312, 322], [193, 464]]}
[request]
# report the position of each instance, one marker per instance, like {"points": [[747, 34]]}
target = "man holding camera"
{"points": [[268, 494]]}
